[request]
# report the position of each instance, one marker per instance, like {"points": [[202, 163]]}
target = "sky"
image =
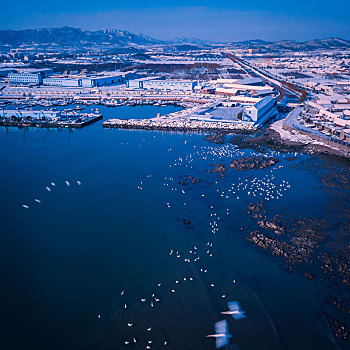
{"points": [[220, 20]]}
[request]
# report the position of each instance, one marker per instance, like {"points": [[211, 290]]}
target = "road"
{"points": [[278, 85]]}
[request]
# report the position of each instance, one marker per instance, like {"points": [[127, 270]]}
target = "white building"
{"points": [[66, 82], [89, 81], [260, 110], [137, 83], [154, 84], [29, 76], [101, 80]]}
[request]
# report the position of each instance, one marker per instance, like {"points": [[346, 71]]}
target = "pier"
{"points": [[41, 119]]}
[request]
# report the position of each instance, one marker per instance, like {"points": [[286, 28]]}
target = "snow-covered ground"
{"points": [[295, 136]]}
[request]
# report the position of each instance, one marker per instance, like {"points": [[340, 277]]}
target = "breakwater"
{"points": [[175, 125]]}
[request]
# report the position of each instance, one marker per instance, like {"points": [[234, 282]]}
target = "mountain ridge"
{"points": [[122, 38]]}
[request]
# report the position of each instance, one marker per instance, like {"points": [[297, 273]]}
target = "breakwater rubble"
{"points": [[173, 125]]}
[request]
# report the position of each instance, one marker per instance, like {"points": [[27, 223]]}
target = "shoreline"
{"points": [[311, 145]]}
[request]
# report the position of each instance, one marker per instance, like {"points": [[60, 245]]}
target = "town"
{"points": [[219, 86]]}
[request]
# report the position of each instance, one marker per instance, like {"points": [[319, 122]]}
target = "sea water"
{"points": [[66, 261]]}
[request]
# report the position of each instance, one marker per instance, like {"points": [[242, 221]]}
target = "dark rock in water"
{"points": [[291, 158], [219, 169], [293, 255], [258, 207], [193, 180], [258, 216], [249, 163], [218, 138], [339, 305], [303, 242], [277, 229], [186, 222], [268, 139], [310, 277], [338, 329], [336, 266]]}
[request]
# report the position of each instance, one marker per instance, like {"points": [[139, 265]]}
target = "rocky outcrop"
{"points": [[219, 169], [249, 163], [189, 178], [277, 229]]}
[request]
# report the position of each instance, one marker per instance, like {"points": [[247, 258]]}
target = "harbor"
{"points": [[156, 192], [47, 119]]}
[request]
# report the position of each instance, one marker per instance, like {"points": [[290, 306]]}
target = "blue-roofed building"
{"points": [[252, 81]]}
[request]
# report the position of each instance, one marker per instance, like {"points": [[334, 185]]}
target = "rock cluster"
{"points": [[249, 163], [277, 229], [296, 247], [218, 138], [219, 169], [191, 179], [291, 253], [333, 266], [338, 329]]}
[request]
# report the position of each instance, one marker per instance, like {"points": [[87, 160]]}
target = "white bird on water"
{"points": [[25, 206], [48, 189], [37, 200], [67, 183], [78, 182]]}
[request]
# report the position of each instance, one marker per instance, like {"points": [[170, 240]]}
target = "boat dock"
{"points": [[47, 119]]}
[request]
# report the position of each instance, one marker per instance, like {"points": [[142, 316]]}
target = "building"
{"points": [[252, 81], [137, 83], [165, 85], [65, 82], [101, 80], [29, 76], [89, 81], [260, 110]]}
